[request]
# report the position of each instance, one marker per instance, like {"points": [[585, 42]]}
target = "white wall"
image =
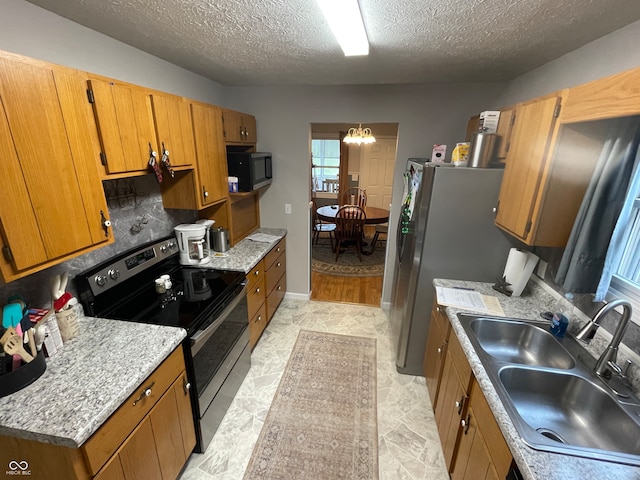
{"points": [[426, 114], [32, 31], [613, 53]]}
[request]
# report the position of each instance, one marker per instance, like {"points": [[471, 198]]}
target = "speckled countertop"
{"points": [[533, 464], [243, 256], [87, 381]]}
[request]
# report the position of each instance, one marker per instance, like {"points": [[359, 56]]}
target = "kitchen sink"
{"points": [[518, 342], [571, 410], [549, 390]]}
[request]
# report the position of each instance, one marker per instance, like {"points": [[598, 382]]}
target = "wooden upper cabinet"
{"points": [[174, 129], [124, 117], [211, 155], [54, 205], [505, 127], [206, 185], [239, 127], [527, 167]]}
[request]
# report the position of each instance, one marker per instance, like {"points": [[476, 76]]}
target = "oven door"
{"points": [[216, 349]]}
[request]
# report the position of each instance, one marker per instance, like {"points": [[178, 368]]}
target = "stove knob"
{"points": [[114, 273], [101, 280], [164, 248]]}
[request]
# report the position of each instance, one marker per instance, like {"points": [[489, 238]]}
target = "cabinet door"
{"points": [[450, 407], [249, 131], [125, 123], [232, 126], [174, 436], [172, 117], [138, 456], [112, 470], [505, 127], [473, 461], [435, 352], [45, 216], [210, 154], [530, 141]]}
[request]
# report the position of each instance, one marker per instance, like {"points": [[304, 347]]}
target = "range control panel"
{"points": [[130, 265]]}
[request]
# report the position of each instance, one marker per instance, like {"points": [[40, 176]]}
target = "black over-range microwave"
{"points": [[253, 169]]}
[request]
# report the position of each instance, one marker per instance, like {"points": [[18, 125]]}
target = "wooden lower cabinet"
{"points": [[147, 437], [267, 284], [472, 443], [436, 350]]}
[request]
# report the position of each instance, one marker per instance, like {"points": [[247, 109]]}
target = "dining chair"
{"points": [[381, 229], [318, 226], [355, 196], [350, 220]]}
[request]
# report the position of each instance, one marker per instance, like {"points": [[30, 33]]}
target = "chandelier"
{"points": [[359, 135]]}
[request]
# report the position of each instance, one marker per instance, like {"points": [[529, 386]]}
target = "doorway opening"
{"points": [[336, 167]]}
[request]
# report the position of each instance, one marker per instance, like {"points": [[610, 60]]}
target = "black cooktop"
{"points": [[197, 295]]}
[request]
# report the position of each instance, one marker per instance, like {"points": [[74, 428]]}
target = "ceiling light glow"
{"points": [[345, 21]]}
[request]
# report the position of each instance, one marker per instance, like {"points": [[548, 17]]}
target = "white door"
{"points": [[377, 163]]}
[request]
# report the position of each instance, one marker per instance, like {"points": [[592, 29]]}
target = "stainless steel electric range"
{"points": [[211, 305]]}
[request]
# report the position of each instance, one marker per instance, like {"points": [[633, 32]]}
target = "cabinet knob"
{"points": [[186, 385], [258, 290], [205, 194], [145, 393], [258, 318], [438, 309], [256, 273], [279, 287], [460, 404], [278, 264], [466, 423]]}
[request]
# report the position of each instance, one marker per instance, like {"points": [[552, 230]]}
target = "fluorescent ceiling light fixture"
{"points": [[345, 21]]}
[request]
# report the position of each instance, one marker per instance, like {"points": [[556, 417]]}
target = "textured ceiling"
{"points": [[287, 42]]}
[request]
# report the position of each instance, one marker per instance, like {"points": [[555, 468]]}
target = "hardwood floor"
{"points": [[333, 288]]}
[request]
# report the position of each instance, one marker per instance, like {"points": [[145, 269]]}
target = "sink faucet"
{"points": [[606, 364]]}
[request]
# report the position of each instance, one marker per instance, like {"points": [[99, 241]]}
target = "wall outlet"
{"points": [[287, 208], [542, 268]]}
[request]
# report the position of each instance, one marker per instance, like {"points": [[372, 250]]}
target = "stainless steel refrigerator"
{"points": [[446, 230]]}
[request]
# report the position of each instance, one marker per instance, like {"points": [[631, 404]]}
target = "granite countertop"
{"points": [[533, 464], [245, 255], [87, 381]]}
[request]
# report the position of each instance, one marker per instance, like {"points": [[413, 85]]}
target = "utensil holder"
{"points": [[68, 322], [25, 375]]}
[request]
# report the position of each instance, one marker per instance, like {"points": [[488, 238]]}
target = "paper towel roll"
{"points": [[518, 270]]}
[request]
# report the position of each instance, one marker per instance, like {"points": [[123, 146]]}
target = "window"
{"points": [[325, 157], [625, 280]]}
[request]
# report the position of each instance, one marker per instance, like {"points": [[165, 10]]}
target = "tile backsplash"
{"points": [[137, 216]]}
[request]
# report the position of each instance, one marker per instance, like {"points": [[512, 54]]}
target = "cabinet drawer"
{"points": [[276, 296], [257, 324], [255, 274], [274, 253], [275, 271], [255, 296], [102, 444]]}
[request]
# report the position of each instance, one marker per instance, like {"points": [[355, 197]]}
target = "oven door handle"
{"points": [[201, 336]]}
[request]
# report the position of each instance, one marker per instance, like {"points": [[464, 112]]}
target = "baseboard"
{"points": [[297, 296]]}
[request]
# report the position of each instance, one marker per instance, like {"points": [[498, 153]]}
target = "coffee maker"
{"points": [[193, 243]]}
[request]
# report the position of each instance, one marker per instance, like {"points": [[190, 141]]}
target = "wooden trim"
{"points": [[614, 96]]}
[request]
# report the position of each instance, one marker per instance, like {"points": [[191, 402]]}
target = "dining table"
{"points": [[375, 215]]}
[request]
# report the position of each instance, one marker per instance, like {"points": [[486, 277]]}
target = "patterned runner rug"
{"points": [[322, 423]]}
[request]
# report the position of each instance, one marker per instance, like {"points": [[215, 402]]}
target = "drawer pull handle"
{"points": [[145, 393]]}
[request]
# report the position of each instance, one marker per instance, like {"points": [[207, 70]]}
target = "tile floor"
{"points": [[409, 447]]}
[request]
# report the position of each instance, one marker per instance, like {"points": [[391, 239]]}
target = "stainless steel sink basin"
{"points": [[549, 390], [569, 409], [518, 342]]}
